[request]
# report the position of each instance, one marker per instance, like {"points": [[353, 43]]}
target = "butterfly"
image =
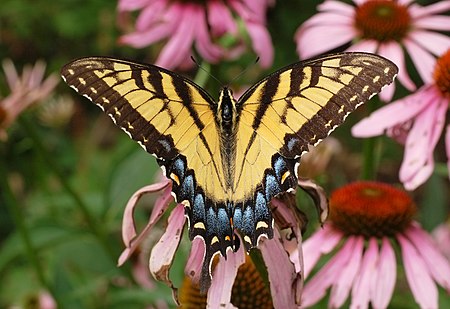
{"points": [[228, 158]]}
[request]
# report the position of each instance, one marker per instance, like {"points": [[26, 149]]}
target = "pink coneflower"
{"points": [[27, 89], [368, 220], [442, 236], [380, 26], [282, 254], [417, 121], [205, 24]]}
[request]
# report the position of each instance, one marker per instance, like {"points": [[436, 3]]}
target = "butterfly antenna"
{"points": [[206, 71], [245, 70]]}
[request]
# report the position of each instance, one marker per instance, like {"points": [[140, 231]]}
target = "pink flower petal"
{"points": [[422, 285], [435, 43], [322, 242], [142, 39], [310, 40], [282, 276], [219, 294], [178, 48], [368, 46], [394, 52], [163, 252], [261, 43], [194, 263], [418, 160], [417, 11], [151, 14], [440, 23], [386, 276], [128, 228], [388, 116], [422, 59], [447, 148], [318, 195], [342, 9], [315, 289], [362, 290], [131, 5], [205, 47], [437, 264], [343, 285], [442, 234], [220, 18]]}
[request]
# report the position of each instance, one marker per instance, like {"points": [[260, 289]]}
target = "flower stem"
{"points": [[91, 221], [18, 218], [369, 144]]}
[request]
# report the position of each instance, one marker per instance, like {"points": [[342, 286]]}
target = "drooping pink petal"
{"points": [[282, 275], [220, 19], [438, 265], [442, 235], [422, 59], [364, 283], [418, 160], [434, 42], [261, 43], [128, 227], [205, 47], [343, 285], [152, 13], [310, 41], [163, 252], [394, 52], [131, 5], [219, 294], [194, 263], [440, 23], [320, 243], [419, 279], [142, 39], [386, 276], [315, 289], [178, 48], [393, 114]]}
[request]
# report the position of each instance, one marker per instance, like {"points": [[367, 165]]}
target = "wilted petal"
{"points": [[282, 275], [386, 276], [219, 294], [437, 264], [194, 263], [422, 285], [163, 252], [362, 289], [317, 193], [128, 227]]}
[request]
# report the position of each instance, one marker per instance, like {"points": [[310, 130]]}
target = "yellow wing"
{"points": [[290, 109]]}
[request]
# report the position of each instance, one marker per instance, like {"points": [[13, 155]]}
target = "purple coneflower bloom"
{"points": [[380, 26], [417, 121], [201, 23], [282, 254], [27, 89], [368, 220]]}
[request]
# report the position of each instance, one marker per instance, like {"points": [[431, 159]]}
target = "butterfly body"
{"points": [[228, 159]]}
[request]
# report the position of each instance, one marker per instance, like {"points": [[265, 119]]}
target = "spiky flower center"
{"points": [[249, 290], [371, 209], [442, 74], [382, 20]]}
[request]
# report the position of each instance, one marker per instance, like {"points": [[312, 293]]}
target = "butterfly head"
{"points": [[227, 110]]}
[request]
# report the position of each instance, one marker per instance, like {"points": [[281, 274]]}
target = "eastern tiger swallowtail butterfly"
{"points": [[228, 159]]}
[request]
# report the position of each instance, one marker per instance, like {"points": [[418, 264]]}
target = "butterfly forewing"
{"points": [[175, 120]]}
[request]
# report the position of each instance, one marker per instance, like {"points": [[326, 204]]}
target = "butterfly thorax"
{"points": [[226, 118]]}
